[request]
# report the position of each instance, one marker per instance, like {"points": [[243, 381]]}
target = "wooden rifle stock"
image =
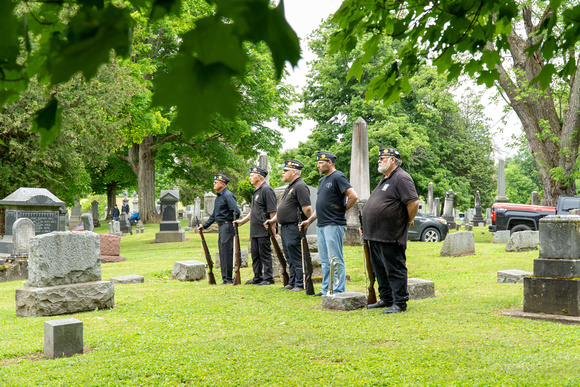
{"points": [[372, 299], [210, 276], [279, 254], [237, 255], [306, 261]]}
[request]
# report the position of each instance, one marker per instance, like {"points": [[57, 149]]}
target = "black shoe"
{"points": [[251, 282], [265, 283], [379, 304], [297, 289], [319, 294], [287, 287], [395, 309]]}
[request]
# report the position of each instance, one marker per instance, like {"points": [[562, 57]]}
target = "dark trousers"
{"points": [[292, 241], [262, 259], [389, 265], [226, 246]]}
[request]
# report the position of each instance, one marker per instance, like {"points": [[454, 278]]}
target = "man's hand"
{"points": [[268, 222], [200, 228]]}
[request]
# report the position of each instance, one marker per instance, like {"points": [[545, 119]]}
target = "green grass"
{"points": [[165, 332]]}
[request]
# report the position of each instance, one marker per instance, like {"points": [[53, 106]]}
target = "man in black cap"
{"points": [[387, 216], [223, 213], [296, 197], [263, 207], [335, 197]]}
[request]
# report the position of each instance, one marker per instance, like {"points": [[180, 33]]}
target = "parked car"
{"points": [[427, 228]]}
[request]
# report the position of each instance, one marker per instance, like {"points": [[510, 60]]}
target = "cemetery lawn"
{"points": [[166, 332]]}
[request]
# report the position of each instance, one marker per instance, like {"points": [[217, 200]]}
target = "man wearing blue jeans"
{"points": [[335, 197]]}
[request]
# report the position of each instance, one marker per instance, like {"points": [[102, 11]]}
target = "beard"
{"points": [[383, 168]]}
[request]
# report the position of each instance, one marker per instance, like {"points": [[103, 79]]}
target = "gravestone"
{"points": [[208, 203], [87, 221], [63, 218], [115, 228], [263, 163], [512, 276], [64, 276], [128, 279], [523, 241], [555, 286], [125, 224], [37, 204], [180, 214], [437, 207], [502, 236], [63, 338], [111, 248], [535, 199], [448, 210], [469, 214], [458, 244], [477, 218], [344, 301], [501, 198], [197, 209], [23, 229], [95, 210], [419, 288], [430, 203], [488, 216], [170, 227], [75, 214], [158, 206], [188, 271], [421, 206], [135, 202], [359, 180]]}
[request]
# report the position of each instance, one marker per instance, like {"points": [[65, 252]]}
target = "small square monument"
{"points": [[63, 338]]}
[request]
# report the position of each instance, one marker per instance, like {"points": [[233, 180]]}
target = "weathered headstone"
{"points": [[421, 206], [64, 276], [502, 236], [128, 279], [87, 221], [430, 204], [437, 207], [448, 210], [555, 286], [170, 227], [180, 214], [111, 248], [488, 216], [23, 229], [197, 209], [512, 276], [188, 271], [158, 206], [36, 204], [135, 202], [523, 241], [125, 224], [75, 214], [263, 163], [535, 199], [344, 301], [419, 288], [458, 244], [208, 203], [501, 198], [95, 210], [63, 338], [477, 218]]}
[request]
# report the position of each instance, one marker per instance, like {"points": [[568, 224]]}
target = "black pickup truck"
{"points": [[523, 217]]}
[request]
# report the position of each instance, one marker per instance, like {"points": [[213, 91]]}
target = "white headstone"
{"points": [[22, 231]]}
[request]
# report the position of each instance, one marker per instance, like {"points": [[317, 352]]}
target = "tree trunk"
{"points": [[146, 181], [111, 200], [553, 140]]}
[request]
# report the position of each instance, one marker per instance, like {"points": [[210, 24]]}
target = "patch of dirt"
{"points": [[35, 356]]}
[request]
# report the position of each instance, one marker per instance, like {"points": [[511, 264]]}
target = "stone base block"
{"points": [[312, 240], [419, 288], [352, 237], [63, 338], [458, 244], [128, 279], [501, 237], [110, 244], [188, 271], [560, 236], [344, 301], [552, 295], [13, 271], [188, 229], [523, 241], [560, 268], [112, 258], [170, 236], [64, 299], [512, 276]]}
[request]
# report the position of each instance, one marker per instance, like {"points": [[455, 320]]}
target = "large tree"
{"points": [[528, 49]]}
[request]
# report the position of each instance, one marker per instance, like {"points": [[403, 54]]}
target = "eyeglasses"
{"points": [[381, 158]]}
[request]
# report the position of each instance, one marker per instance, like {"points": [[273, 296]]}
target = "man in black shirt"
{"points": [[125, 207], [223, 213], [387, 216], [296, 197], [263, 206], [335, 197]]}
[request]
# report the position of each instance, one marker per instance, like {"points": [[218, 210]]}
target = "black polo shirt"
{"points": [[296, 195], [263, 202], [331, 200], [224, 205], [385, 216]]}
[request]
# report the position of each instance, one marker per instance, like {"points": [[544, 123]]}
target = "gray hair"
{"points": [[398, 162]]}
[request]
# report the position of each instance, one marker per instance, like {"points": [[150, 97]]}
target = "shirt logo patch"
{"points": [[385, 187], [257, 196], [328, 185], [292, 189]]}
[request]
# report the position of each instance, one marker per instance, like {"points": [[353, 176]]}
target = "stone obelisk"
{"points": [[359, 179], [501, 198]]}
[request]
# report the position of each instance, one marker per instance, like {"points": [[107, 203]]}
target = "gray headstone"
{"points": [[75, 214], [23, 230], [488, 216], [87, 220], [359, 160], [188, 271], [208, 203], [448, 210], [421, 206], [535, 198], [560, 236], [437, 206], [197, 209], [457, 244], [477, 217], [523, 241], [419, 288], [502, 236], [344, 301], [135, 202], [263, 163], [512, 276], [501, 198], [557, 267], [95, 213], [128, 279], [63, 338], [124, 224], [61, 258], [430, 208]]}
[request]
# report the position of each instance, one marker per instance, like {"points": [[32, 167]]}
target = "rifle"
{"points": [[210, 276], [306, 259], [237, 254], [285, 277], [372, 298]]}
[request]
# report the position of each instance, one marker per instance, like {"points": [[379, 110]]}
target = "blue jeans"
{"points": [[329, 245]]}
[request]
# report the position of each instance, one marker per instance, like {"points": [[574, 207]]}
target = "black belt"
{"points": [[221, 223]]}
